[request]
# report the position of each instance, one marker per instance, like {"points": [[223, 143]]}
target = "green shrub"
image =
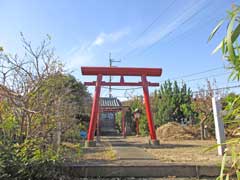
{"points": [[29, 160]]}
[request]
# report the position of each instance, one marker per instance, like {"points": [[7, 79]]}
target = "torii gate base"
{"points": [[120, 71]]}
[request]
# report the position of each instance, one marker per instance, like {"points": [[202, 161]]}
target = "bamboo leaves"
{"points": [[215, 30], [229, 44]]}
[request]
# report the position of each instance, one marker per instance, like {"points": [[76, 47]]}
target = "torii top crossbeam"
{"points": [[120, 71]]}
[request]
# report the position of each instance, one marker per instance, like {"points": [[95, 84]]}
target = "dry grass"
{"points": [[104, 152], [182, 151], [73, 152]]}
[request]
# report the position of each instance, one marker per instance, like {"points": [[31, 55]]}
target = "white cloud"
{"points": [[103, 38], [99, 40], [86, 54], [79, 56]]}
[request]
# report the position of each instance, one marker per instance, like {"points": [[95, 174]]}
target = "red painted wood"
{"points": [[148, 109], [95, 109], [121, 71], [103, 83]]}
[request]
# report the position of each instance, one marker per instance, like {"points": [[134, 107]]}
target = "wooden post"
{"points": [[98, 127], [137, 126], [123, 124], [219, 126]]}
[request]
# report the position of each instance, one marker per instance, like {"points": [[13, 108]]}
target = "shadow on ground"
{"points": [[119, 143]]}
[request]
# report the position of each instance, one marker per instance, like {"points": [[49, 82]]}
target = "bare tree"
{"points": [[21, 77], [203, 106]]}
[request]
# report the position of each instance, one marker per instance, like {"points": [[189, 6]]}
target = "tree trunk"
{"points": [[59, 127], [58, 134], [202, 130]]}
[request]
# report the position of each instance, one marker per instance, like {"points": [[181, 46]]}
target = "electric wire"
{"points": [[217, 89], [169, 33], [155, 20], [194, 74], [206, 77], [122, 89], [149, 27]]}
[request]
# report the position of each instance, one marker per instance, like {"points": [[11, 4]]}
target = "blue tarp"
{"points": [[83, 134]]}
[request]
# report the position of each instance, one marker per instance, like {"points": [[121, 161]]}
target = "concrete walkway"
{"points": [[133, 161], [127, 151]]}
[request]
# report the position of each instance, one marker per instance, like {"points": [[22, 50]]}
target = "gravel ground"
{"points": [[182, 151]]}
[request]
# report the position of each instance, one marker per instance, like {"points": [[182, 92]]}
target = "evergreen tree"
{"points": [[172, 103]]}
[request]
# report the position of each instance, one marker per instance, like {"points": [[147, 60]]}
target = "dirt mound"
{"points": [[175, 131]]}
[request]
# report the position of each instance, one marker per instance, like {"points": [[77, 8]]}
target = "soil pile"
{"points": [[175, 131]]}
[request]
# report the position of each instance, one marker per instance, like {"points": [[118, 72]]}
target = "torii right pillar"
{"points": [[153, 140]]}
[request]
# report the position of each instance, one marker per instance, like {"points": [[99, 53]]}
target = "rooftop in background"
{"points": [[110, 104]]}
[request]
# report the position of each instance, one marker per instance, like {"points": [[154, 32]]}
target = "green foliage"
{"points": [[63, 99], [231, 104], [73, 133], [143, 124], [231, 51], [119, 120], [9, 127], [229, 44], [70, 152], [172, 103], [39, 107], [136, 103], [28, 160]]}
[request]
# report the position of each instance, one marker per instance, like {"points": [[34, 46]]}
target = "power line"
{"points": [[206, 77], [217, 89], [215, 75], [123, 89], [188, 19], [155, 20], [193, 74], [210, 20], [186, 32], [149, 26]]}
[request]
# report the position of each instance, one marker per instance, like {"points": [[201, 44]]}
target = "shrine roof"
{"points": [[110, 102]]}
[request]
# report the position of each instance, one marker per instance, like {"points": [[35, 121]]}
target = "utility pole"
{"points": [[110, 77]]}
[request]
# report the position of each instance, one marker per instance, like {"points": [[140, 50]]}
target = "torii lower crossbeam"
{"points": [[120, 71]]}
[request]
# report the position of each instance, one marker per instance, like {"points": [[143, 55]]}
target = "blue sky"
{"points": [[84, 32]]}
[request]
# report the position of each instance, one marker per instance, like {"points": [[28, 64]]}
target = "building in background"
{"points": [[107, 118]]}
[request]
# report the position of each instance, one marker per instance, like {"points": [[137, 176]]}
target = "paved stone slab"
{"points": [[132, 153], [125, 151]]}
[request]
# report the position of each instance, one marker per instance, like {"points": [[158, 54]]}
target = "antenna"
{"points": [[110, 77]]}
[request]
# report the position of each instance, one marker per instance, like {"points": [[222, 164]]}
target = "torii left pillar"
{"points": [[94, 114]]}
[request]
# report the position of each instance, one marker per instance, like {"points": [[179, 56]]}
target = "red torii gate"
{"points": [[120, 71]]}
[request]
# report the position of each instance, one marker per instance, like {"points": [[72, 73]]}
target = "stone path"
{"points": [[133, 161], [127, 151]]}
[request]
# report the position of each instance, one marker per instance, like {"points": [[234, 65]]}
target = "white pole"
{"points": [[219, 126]]}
